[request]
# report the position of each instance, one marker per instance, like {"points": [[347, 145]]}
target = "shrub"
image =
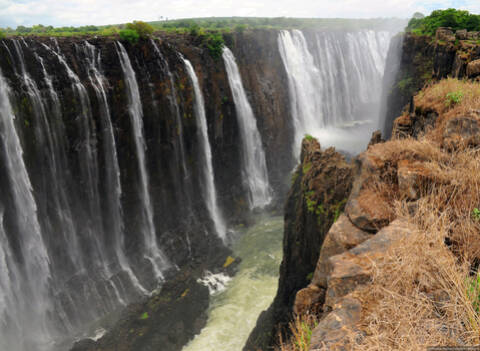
{"points": [[2, 35], [456, 19], [453, 98], [240, 28], [130, 35], [144, 30], [214, 43]]}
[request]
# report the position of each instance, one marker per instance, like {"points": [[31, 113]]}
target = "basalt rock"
{"points": [[339, 325], [423, 60], [321, 185], [461, 132], [473, 69]]}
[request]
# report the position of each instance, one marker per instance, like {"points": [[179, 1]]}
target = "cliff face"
{"points": [[320, 187], [424, 60], [71, 101]]}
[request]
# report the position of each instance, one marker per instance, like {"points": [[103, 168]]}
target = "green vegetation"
{"points": [[306, 167], [473, 291], [453, 98], [207, 26], [135, 31], [302, 338], [456, 19], [214, 43], [406, 85], [2, 35], [308, 137], [240, 24], [144, 30], [129, 35], [476, 214], [144, 316]]}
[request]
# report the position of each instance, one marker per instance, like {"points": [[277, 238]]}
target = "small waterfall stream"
{"points": [[152, 251], [210, 192], [24, 299], [254, 164]]}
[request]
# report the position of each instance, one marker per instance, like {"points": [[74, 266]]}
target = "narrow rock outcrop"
{"points": [[320, 188]]}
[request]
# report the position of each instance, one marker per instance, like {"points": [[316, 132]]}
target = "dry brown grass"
{"points": [[419, 295], [435, 98], [422, 292]]}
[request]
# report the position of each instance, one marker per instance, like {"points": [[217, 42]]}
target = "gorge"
{"points": [[125, 166]]}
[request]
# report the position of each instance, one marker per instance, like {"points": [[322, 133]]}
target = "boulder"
{"points": [[308, 299], [333, 331], [353, 268], [473, 35], [342, 312], [461, 132], [444, 34], [342, 236], [461, 34], [473, 69]]}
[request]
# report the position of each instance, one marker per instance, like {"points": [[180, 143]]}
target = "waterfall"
{"points": [[210, 191], [253, 156], [24, 275], [152, 251], [112, 168], [88, 155], [334, 79]]}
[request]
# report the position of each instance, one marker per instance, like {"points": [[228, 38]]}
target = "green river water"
{"points": [[234, 311]]}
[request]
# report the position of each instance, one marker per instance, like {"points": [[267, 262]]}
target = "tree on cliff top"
{"points": [[143, 29], [456, 19], [136, 30]]}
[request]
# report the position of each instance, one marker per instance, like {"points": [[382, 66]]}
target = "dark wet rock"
{"points": [[165, 321]]}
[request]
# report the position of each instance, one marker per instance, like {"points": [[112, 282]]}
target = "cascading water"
{"points": [[210, 191], [335, 81], [24, 273], [99, 174], [112, 169], [152, 251], [88, 154], [253, 157]]}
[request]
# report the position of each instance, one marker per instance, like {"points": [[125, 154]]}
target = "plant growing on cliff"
{"points": [[301, 329], [476, 214], [453, 98], [2, 35], [214, 43], [473, 291]]}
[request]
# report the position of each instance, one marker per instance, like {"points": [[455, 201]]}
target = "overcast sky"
{"points": [[82, 12]]}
